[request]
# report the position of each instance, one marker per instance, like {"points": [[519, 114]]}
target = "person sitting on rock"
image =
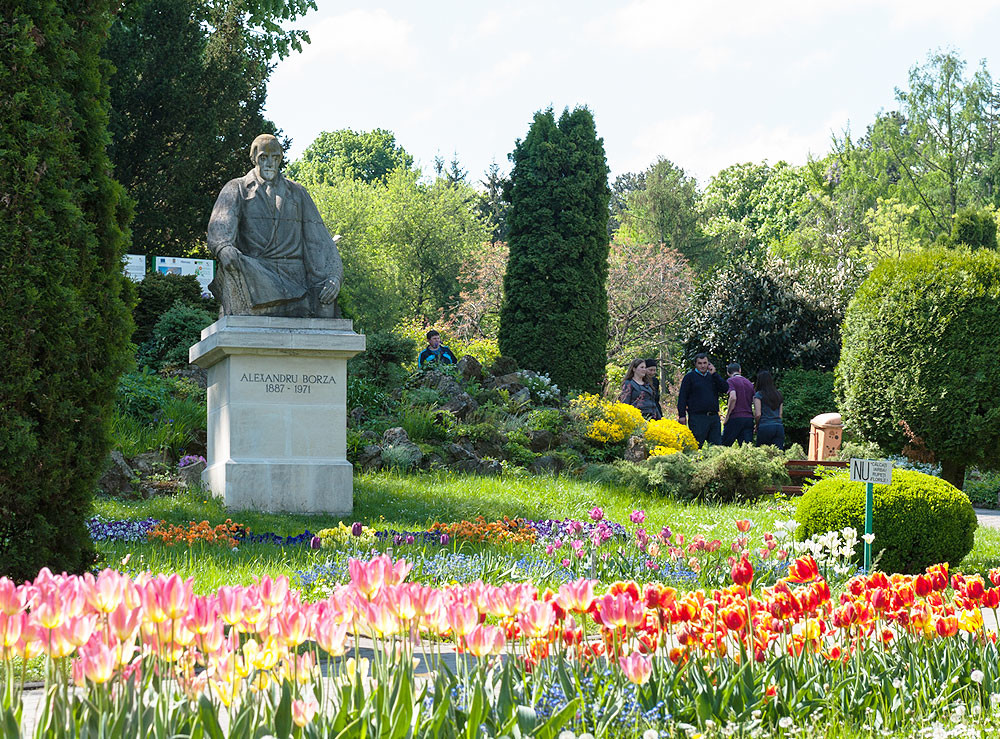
{"points": [[436, 353]]}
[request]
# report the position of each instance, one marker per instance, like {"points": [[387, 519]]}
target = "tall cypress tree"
{"points": [[555, 313], [64, 313]]}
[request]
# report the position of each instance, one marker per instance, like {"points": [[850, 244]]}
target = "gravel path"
{"points": [[988, 517]]}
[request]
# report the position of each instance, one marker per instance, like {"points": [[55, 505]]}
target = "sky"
{"points": [[705, 84]]}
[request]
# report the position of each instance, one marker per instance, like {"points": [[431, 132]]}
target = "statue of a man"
{"points": [[275, 256]]}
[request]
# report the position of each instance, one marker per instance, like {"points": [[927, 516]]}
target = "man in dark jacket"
{"points": [[698, 401], [436, 353]]}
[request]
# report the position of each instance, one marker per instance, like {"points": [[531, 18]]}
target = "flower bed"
{"points": [[634, 657]]}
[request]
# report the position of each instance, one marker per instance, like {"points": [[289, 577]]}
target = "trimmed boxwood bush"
{"points": [[807, 394], [918, 521]]}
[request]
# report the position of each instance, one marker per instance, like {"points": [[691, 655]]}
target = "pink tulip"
{"points": [[303, 711], [620, 610], [596, 514], [294, 627], [230, 604], [367, 577], [99, 663], [272, 592], [462, 618], [537, 620], [104, 592], [12, 598], [637, 516], [203, 616], [331, 636], [485, 639], [576, 596], [124, 622], [636, 667], [11, 626]]}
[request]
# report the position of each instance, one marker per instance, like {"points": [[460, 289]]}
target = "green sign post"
{"points": [[871, 472]]}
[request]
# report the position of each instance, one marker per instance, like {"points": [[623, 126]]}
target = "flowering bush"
{"points": [[607, 422], [666, 436]]}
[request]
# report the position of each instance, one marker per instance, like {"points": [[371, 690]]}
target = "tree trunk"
{"points": [[954, 473]]}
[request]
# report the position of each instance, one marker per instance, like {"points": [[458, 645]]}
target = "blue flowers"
{"points": [[125, 531]]}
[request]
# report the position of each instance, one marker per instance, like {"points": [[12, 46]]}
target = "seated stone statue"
{"points": [[275, 256]]}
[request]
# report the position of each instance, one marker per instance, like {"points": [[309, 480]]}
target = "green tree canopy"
{"points": [[368, 156], [919, 359], [404, 242], [187, 100], [661, 207], [555, 313]]}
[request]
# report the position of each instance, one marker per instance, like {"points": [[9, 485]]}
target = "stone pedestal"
{"points": [[277, 412]]}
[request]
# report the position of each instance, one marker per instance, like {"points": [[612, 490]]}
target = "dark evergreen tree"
{"points": [[555, 313], [64, 318], [491, 206]]}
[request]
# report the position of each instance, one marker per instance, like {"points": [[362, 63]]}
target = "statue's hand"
{"points": [[329, 292], [229, 256]]}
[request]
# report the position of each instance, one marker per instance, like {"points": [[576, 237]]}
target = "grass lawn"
{"points": [[413, 502]]}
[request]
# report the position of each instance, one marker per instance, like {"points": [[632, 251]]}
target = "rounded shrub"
{"points": [[918, 520]]}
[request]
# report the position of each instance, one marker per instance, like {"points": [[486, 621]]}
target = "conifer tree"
{"points": [[64, 313], [555, 313]]}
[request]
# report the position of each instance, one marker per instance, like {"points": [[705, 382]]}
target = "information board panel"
{"points": [[203, 269]]}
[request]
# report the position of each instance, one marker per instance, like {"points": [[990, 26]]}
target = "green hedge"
{"points": [[918, 520]]}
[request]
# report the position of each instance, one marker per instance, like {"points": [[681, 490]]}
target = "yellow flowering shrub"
{"points": [[670, 436], [607, 422]]}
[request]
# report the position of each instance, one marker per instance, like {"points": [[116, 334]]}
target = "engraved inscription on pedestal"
{"points": [[277, 412]]}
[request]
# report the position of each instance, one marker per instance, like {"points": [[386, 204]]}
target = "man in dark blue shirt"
{"points": [[436, 353], [698, 401]]}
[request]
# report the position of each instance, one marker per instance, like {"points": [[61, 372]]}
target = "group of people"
{"points": [[752, 409]]}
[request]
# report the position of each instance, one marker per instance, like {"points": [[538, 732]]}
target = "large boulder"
{"points": [[470, 368], [440, 381], [540, 440], [635, 450], [547, 464], [461, 405], [398, 451], [191, 474], [117, 479], [370, 458]]}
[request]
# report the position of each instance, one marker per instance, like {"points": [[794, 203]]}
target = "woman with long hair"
{"points": [[768, 405], [636, 391]]}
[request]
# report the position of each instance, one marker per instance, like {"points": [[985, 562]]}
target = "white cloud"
{"points": [[357, 37]]}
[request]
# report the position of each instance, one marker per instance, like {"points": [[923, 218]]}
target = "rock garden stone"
{"points": [[117, 479], [470, 368]]}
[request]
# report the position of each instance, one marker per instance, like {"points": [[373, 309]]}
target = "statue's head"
{"points": [[266, 154]]}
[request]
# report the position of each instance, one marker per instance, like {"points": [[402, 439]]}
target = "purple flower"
{"points": [[357, 528], [315, 543], [637, 516], [189, 460], [410, 538], [596, 514], [665, 534], [445, 539], [397, 539]]}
